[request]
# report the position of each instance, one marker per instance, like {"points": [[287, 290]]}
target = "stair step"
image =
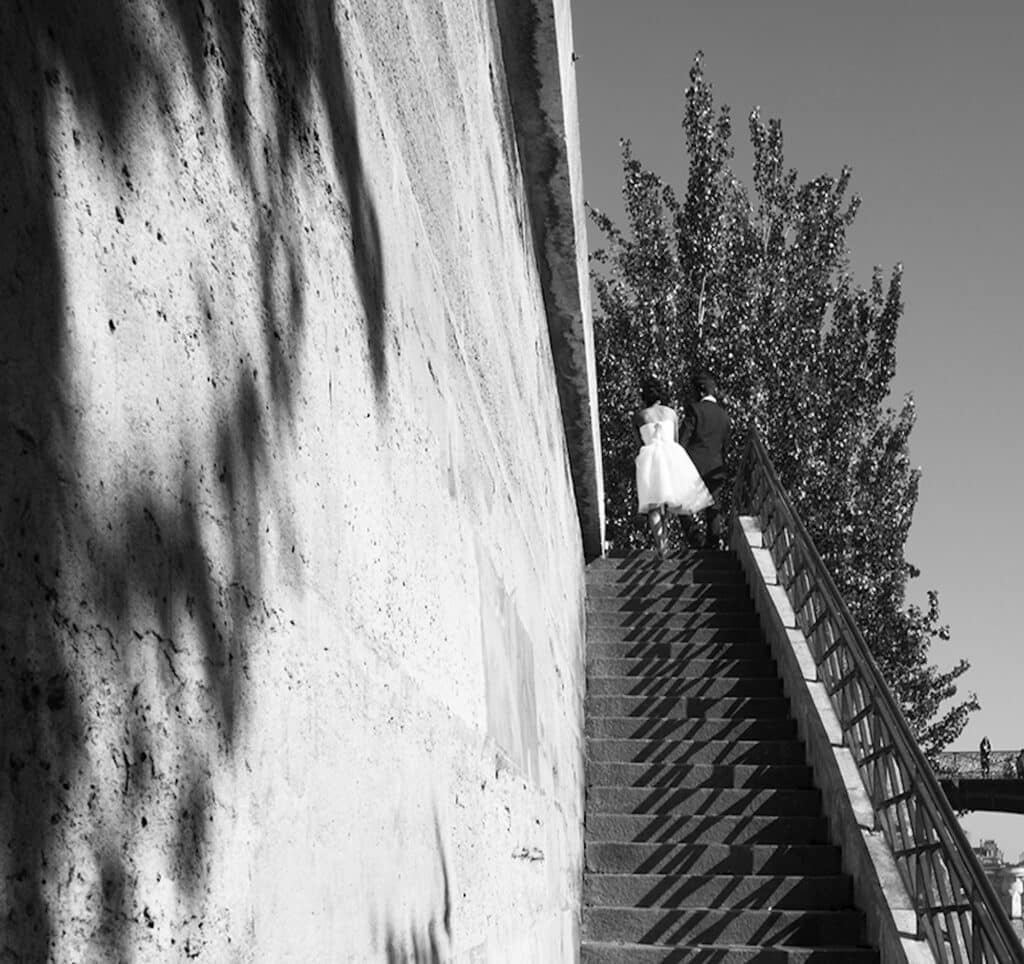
{"points": [[604, 774], [706, 687], [644, 560], [664, 603], [667, 590], [687, 707], [649, 580], [722, 752], [651, 622], [690, 801], [614, 857], [724, 728], [685, 586], [667, 635], [795, 891], [661, 828], [754, 649], [661, 925], [660, 667], [600, 952]]}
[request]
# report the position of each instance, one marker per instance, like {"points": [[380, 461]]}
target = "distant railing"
{"points": [[966, 764], [958, 912]]}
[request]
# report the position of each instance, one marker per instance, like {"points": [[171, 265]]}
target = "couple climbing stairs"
{"points": [[704, 837]]}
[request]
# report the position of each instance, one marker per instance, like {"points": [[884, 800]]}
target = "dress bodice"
{"points": [[660, 431]]}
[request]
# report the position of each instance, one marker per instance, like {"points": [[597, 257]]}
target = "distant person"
{"points": [[985, 749], [705, 435], [1018, 764], [666, 479]]}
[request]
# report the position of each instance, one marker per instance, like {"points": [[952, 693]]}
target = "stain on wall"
{"points": [[269, 375], [508, 670]]}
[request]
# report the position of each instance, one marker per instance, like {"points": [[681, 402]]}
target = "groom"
{"points": [[705, 434]]}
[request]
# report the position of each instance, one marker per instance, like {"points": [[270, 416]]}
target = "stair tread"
{"points": [[717, 890], [704, 828], [638, 727], [660, 594], [617, 857], [708, 913], [747, 635], [679, 674], [699, 644], [645, 667], [736, 776], [649, 621], [747, 849], [603, 952], [725, 747], [602, 569], [716, 573], [665, 925], [663, 604], [707, 655], [764, 687], [703, 800], [662, 707]]}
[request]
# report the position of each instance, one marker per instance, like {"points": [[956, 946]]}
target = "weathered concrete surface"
{"points": [[291, 598], [867, 858]]}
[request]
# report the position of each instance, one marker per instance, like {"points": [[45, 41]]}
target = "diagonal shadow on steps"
{"points": [[705, 686], [752, 776], [672, 889]]}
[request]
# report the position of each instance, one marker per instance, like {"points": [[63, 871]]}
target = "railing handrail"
{"points": [[940, 854]]}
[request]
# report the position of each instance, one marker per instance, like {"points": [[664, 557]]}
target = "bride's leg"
{"points": [[656, 522]]}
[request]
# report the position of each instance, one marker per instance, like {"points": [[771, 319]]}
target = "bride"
{"points": [[666, 479]]}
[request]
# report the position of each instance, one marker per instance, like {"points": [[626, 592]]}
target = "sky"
{"points": [[925, 101]]}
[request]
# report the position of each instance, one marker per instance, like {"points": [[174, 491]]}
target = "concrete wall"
{"points": [[291, 598]]}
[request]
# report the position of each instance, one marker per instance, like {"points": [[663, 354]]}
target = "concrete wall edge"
{"points": [[542, 94]]}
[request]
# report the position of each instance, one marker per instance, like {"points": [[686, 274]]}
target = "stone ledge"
{"points": [[867, 858]]}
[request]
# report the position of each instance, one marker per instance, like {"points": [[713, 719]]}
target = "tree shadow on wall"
{"points": [[429, 943], [137, 549], [307, 57]]}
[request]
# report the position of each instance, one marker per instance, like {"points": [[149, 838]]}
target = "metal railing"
{"points": [[958, 912]]}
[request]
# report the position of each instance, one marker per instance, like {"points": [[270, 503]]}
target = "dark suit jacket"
{"points": [[705, 434]]}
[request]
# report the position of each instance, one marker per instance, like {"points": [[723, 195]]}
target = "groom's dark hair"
{"points": [[704, 383]]}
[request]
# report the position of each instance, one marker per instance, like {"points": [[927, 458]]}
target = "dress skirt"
{"points": [[666, 476]]}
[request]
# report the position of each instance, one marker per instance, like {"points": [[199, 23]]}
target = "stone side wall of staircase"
{"points": [[291, 580]]}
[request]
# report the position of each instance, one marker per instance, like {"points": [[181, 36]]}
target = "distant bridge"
{"points": [[968, 786]]}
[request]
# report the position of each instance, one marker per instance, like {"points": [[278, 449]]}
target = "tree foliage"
{"points": [[755, 285]]}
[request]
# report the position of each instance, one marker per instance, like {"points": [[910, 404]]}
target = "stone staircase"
{"points": [[705, 839]]}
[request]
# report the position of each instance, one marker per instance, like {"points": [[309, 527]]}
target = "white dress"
{"points": [[665, 475]]}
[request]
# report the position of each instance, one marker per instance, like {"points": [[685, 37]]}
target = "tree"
{"points": [[756, 287]]}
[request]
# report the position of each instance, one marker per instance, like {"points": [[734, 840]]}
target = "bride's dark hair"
{"points": [[652, 391]]}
